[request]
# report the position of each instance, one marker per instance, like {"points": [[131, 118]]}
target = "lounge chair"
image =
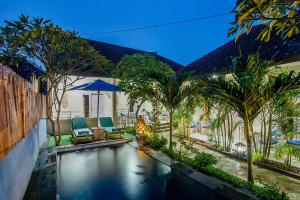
{"points": [[80, 131], [111, 131], [277, 134]]}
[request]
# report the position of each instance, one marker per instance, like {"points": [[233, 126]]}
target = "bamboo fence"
{"points": [[21, 108]]}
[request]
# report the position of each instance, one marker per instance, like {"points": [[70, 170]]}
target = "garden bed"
{"points": [[204, 163], [293, 172], [225, 189]]}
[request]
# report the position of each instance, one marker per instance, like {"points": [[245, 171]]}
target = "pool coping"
{"points": [[223, 188], [103, 143]]}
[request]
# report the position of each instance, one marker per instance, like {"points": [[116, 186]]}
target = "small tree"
{"points": [[223, 125], [134, 72], [61, 53], [279, 16], [277, 113], [170, 90]]}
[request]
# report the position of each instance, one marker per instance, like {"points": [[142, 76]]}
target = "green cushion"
{"points": [[79, 122], [106, 122], [109, 129]]}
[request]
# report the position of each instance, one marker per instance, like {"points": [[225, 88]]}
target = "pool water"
{"points": [[122, 172]]}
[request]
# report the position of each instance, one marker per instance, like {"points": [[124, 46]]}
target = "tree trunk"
{"points": [[218, 137], [57, 141], [230, 131], [171, 129], [249, 137], [253, 137], [58, 102], [269, 142], [225, 136], [138, 107], [264, 139], [49, 113], [261, 137]]}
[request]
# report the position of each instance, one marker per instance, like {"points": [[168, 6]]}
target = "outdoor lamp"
{"points": [[141, 126]]}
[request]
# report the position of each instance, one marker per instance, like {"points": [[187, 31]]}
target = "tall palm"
{"points": [[249, 87], [170, 90]]}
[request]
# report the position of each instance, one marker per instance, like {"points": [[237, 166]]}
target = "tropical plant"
{"points": [[223, 125], [61, 53], [279, 16], [286, 150], [153, 117], [182, 114], [280, 112], [203, 160], [170, 90], [134, 72], [246, 90], [154, 141]]}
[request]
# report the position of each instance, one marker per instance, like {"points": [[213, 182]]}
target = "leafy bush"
{"points": [[270, 192], [156, 143], [257, 156], [170, 152], [220, 148], [203, 159]]}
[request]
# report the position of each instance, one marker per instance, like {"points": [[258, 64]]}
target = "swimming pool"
{"points": [[122, 172]]}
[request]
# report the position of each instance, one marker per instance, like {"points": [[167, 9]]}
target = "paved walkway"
{"points": [[239, 168]]}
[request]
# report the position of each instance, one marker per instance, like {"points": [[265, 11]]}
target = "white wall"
{"points": [[75, 102], [16, 168]]}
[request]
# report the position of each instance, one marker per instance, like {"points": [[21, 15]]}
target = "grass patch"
{"points": [[130, 130], [65, 140]]}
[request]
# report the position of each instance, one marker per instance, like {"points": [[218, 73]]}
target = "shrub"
{"points": [[203, 160], [220, 148], [170, 152], [270, 192], [156, 143], [257, 156]]}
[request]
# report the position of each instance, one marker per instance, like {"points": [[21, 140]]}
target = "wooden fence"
{"points": [[21, 107]]}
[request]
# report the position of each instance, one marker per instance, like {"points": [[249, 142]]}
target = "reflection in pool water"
{"points": [[122, 172]]}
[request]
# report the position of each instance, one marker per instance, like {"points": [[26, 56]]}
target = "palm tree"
{"points": [[223, 124], [278, 112], [170, 90], [249, 87]]}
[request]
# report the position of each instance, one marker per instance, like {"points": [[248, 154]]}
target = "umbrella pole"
{"points": [[98, 109]]}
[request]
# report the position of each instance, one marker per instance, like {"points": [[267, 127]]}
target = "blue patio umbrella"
{"points": [[97, 85]]}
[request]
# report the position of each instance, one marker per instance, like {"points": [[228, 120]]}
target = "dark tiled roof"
{"points": [[115, 53], [219, 60], [26, 70]]}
